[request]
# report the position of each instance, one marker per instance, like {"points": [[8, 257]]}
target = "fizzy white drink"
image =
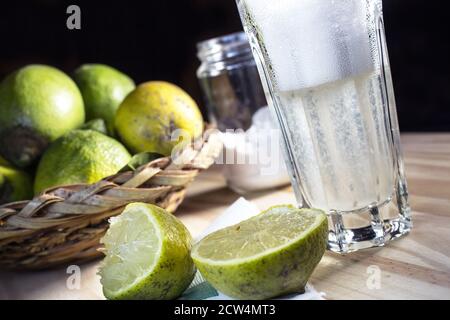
{"points": [[325, 69], [340, 142], [329, 92]]}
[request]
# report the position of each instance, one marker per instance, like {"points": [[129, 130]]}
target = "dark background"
{"points": [[155, 40]]}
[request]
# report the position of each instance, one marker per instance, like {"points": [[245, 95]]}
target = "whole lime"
{"points": [[38, 104], [98, 125], [81, 156], [103, 89], [15, 185], [149, 116]]}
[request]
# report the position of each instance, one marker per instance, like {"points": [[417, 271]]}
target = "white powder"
{"points": [[257, 154]]}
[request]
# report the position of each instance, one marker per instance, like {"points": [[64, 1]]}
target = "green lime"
{"points": [[15, 185], [81, 156], [98, 125], [103, 89], [269, 255], [147, 255], [149, 115], [38, 104]]}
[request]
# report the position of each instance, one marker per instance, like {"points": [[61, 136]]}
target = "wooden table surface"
{"points": [[415, 267]]}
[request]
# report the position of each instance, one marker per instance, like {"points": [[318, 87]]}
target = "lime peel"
{"points": [[283, 245], [147, 255]]}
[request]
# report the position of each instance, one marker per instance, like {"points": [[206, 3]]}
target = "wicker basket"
{"points": [[64, 225]]}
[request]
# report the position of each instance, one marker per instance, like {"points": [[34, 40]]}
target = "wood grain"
{"points": [[415, 267]]}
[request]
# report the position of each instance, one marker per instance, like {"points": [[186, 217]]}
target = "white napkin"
{"points": [[241, 210]]}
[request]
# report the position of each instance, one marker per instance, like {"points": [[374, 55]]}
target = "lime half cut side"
{"points": [[271, 254], [147, 255]]}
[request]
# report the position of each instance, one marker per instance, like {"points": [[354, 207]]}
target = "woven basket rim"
{"points": [[65, 223]]}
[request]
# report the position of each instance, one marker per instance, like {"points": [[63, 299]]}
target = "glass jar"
{"points": [[236, 102], [230, 82]]}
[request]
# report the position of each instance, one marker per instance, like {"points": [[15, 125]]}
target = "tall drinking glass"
{"points": [[325, 70]]}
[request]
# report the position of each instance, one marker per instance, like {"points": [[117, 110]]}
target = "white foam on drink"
{"points": [[313, 42]]}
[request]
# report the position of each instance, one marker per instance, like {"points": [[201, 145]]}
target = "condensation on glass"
{"points": [[325, 70]]}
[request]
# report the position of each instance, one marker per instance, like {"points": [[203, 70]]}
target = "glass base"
{"points": [[373, 227]]}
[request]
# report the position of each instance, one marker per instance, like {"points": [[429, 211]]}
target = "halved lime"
{"points": [[271, 254], [147, 255]]}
